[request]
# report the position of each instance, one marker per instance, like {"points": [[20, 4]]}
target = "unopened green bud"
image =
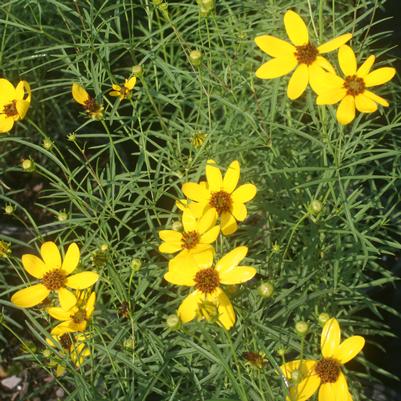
{"points": [[72, 137], [62, 216], [9, 209], [315, 207], [301, 328], [157, 2], [5, 249], [129, 343], [198, 139], [46, 353], [104, 247], [195, 57], [276, 248], [173, 322], [137, 70], [177, 225], [28, 165], [266, 289], [47, 143], [281, 351], [323, 318], [136, 264]]}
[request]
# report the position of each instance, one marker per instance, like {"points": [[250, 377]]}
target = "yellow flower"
{"points": [[78, 316], [14, 103], [306, 376], [302, 55], [220, 195], [54, 275], [123, 91], [196, 238], [207, 280], [351, 90], [82, 97]]}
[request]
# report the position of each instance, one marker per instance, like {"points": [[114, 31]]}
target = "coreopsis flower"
{"points": [[221, 195], [54, 275], [78, 316], [302, 55], [14, 103], [307, 376], [196, 238], [208, 300], [123, 91], [81, 96], [351, 91]]}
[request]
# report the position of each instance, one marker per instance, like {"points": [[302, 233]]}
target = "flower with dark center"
{"points": [[354, 85], [54, 279], [221, 201], [10, 110], [255, 359], [79, 316], [306, 54], [207, 280], [90, 105], [65, 341], [328, 369], [190, 239], [123, 91]]}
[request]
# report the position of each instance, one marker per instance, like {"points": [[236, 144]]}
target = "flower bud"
{"points": [[47, 143], [62, 216], [177, 225], [266, 289], [281, 351], [9, 209], [104, 247], [72, 137], [195, 57], [301, 327], [136, 264], [315, 207], [5, 249], [129, 343], [323, 318], [28, 165], [198, 139], [137, 70], [276, 248], [173, 322]]}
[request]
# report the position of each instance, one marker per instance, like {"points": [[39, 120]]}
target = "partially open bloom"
{"points": [[124, 91], [14, 103], [78, 316], [82, 97], [351, 90], [55, 275], [302, 55], [208, 300], [305, 376], [220, 194]]}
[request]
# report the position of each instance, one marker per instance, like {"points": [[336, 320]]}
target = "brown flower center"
{"points": [[255, 359], [207, 280], [354, 85], [190, 239], [65, 341], [306, 54], [221, 201], [10, 110], [328, 369], [91, 106], [54, 279], [79, 316]]}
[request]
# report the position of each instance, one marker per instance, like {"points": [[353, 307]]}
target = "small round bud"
{"points": [[136, 264], [177, 225], [137, 70], [281, 351], [62, 216], [129, 343], [173, 322], [276, 248], [72, 137], [9, 209], [28, 165], [198, 139], [315, 207], [47, 143], [157, 2], [46, 353], [266, 289], [323, 318], [5, 249], [104, 247], [195, 57], [205, 7], [301, 327]]}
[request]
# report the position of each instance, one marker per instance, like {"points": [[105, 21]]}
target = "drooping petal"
{"points": [[230, 260], [90, 305], [228, 223], [7, 91], [276, 67], [231, 177], [195, 192], [22, 107], [335, 43], [274, 47], [237, 275], [79, 94], [298, 82], [130, 83], [364, 69], [170, 236], [34, 265], [213, 175], [225, 309], [59, 313], [296, 28], [170, 247], [206, 221], [347, 60], [50, 255], [346, 110], [244, 193], [23, 91], [239, 211], [189, 221], [306, 388], [330, 338], [331, 96], [188, 309], [31, 296], [305, 367], [6, 123], [349, 348], [82, 280], [210, 236], [379, 76], [66, 298], [376, 98], [71, 258], [364, 104]]}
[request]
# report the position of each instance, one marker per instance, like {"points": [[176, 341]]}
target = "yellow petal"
{"points": [[22, 107], [6, 123], [66, 298], [276, 67], [30, 296], [60, 370], [210, 236], [7, 91], [82, 280], [347, 60], [34, 265], [182, 271], [326, 392], [237, 275], [213, 175], [322, 62], [364, 69], [305, 367], [225, 310], [50, 255], [228, 223], [244, 193], [346, 110], [335, 43], [306, 388], [349, 348], [239, 211], [296, 28], [114, 93], [364, 104], [336, 391], [23, 91], [71, 258], [189, 221], [170, 236], [79, 94], [188, 309], [130, 83], [331, 96], [231, 177], [203, 259], [195, 192], [90, 305], [298, 82], [207, 221], [376, 98], [59, 313], [230, 261], [330, 338], [379, 76], [170, 247], [274, 47]]}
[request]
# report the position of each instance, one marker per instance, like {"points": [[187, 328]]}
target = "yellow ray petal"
{"points": [[330, 338], [210, 236], [189, 221], [207, 221], [30, 296], [306, 388], [228, 223], [181, 274], [34, 265], [213, 175], [349, 348], [305, 367], [82, 280], [276, 67], [66, 298], [130, 83], [376, 98], [225, 309], [364, 69], [298, 82], [346, 110], [188, 309], [364, 104], [296, 28], [334, 391], [323, 63], [23, 91], [6, 123], [347, 60], [71, 258], [59, 313], [195, 192], [79, 94], [50, 255], [22, 107], [90, 305], [244, 193], [231, 177], [170, 247], [326, 392], [335, 43], [237, 275], [239, 211], [230, 260], [379, 76], [332, 96], [7, 91], [274, 47], [170, 236]]}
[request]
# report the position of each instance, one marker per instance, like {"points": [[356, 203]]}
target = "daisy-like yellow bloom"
{"points": [[78, 316], [352, 91], [81, 96], [124, 91], [55, 275], [325, 374], [302, 55], [197, 237], [221, 195], [14, 103], [206, 281]]}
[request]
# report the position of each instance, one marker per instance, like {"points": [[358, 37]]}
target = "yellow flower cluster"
{"points": [[75, 308], [207, 202], [314, 69]]}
